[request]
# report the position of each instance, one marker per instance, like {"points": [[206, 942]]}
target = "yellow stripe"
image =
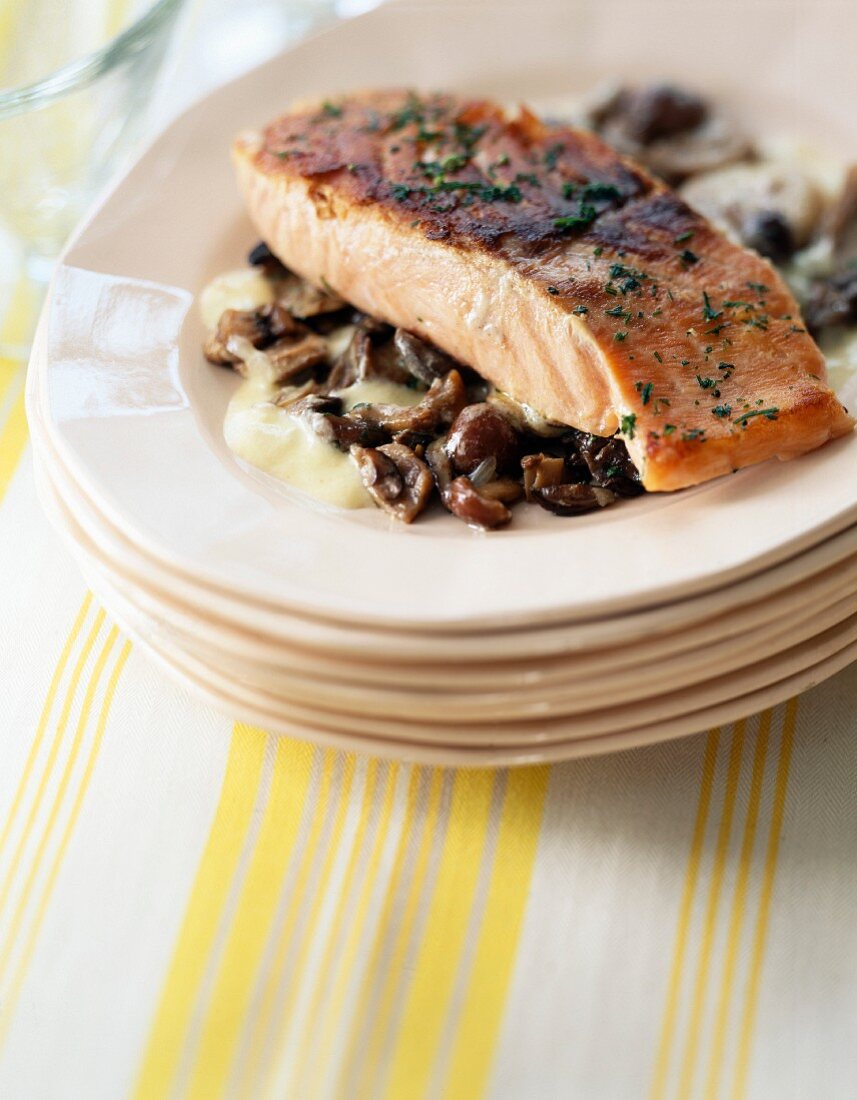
{"points": [[724, 832], [323, 980], [517, 841], [751, 998], [16, 330], [13, 439], [207, 898], [346, 966], [50, 699], [71, 692], [443, 940], [261, 1023], [53, 815], [252, 924], [659, 1076], [739, 903], [370, 972], [21, 972]]}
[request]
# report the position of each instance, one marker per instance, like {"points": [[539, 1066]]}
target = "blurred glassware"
{"points": [[62, 135]]}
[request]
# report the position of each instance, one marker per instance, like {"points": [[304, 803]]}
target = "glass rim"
{"points": [[84, 70]]}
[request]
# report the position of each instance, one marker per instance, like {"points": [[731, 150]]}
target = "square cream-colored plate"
{"points": [[136, 413]]}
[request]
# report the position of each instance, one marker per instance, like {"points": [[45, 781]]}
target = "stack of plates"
{"points": [[554, 638]]}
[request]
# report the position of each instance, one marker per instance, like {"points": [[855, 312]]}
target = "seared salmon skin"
{"points": [[563, 273]]}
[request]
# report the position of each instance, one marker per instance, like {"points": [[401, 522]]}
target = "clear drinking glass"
{"points": [[64, 134]]}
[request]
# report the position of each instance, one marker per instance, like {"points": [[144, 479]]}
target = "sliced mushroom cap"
{"points": [[476, 508], [396, 479], [423, 361], [261, 327], [290, 357], [608, 463], [438, 409], [440, 464], [662, 111], [832, 301], [504, 489], [671, 130], [370, 353], [573, 500], [323, 414], [541, 471], [771, 207], [481, 432]]}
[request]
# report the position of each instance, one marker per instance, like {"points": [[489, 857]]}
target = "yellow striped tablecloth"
{"points": [[195, 908]]}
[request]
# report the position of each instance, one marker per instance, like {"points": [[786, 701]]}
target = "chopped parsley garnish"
{"points": [[669, 429], [682, 237], [619, 335], [580, 309], [400, 191], [331, 110], [706, 383], [596, 191], [688, 257], [586, 215], [437, 168], [552, 155], [708, 312], [645, 391], [657, 356], [618, 311], [467, 135], [553, 290], [769, 414], [721, 411], [627, 425], [692, 433], [412, 112], [597, 251], [759, 288], [528, 177]]}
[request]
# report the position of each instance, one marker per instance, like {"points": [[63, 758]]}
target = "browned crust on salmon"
{"points": [[620, 307]]}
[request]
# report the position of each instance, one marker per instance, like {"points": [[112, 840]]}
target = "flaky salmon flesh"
{"points": [[562, 272]]}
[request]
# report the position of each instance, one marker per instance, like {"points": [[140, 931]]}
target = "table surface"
{"points": [[190, 907]]}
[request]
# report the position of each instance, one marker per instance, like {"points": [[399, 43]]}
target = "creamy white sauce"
{"points": [[268, 436], [245, 288], [273, 440]]}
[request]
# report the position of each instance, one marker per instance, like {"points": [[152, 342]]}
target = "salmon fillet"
{"points": [[563, 273]]}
